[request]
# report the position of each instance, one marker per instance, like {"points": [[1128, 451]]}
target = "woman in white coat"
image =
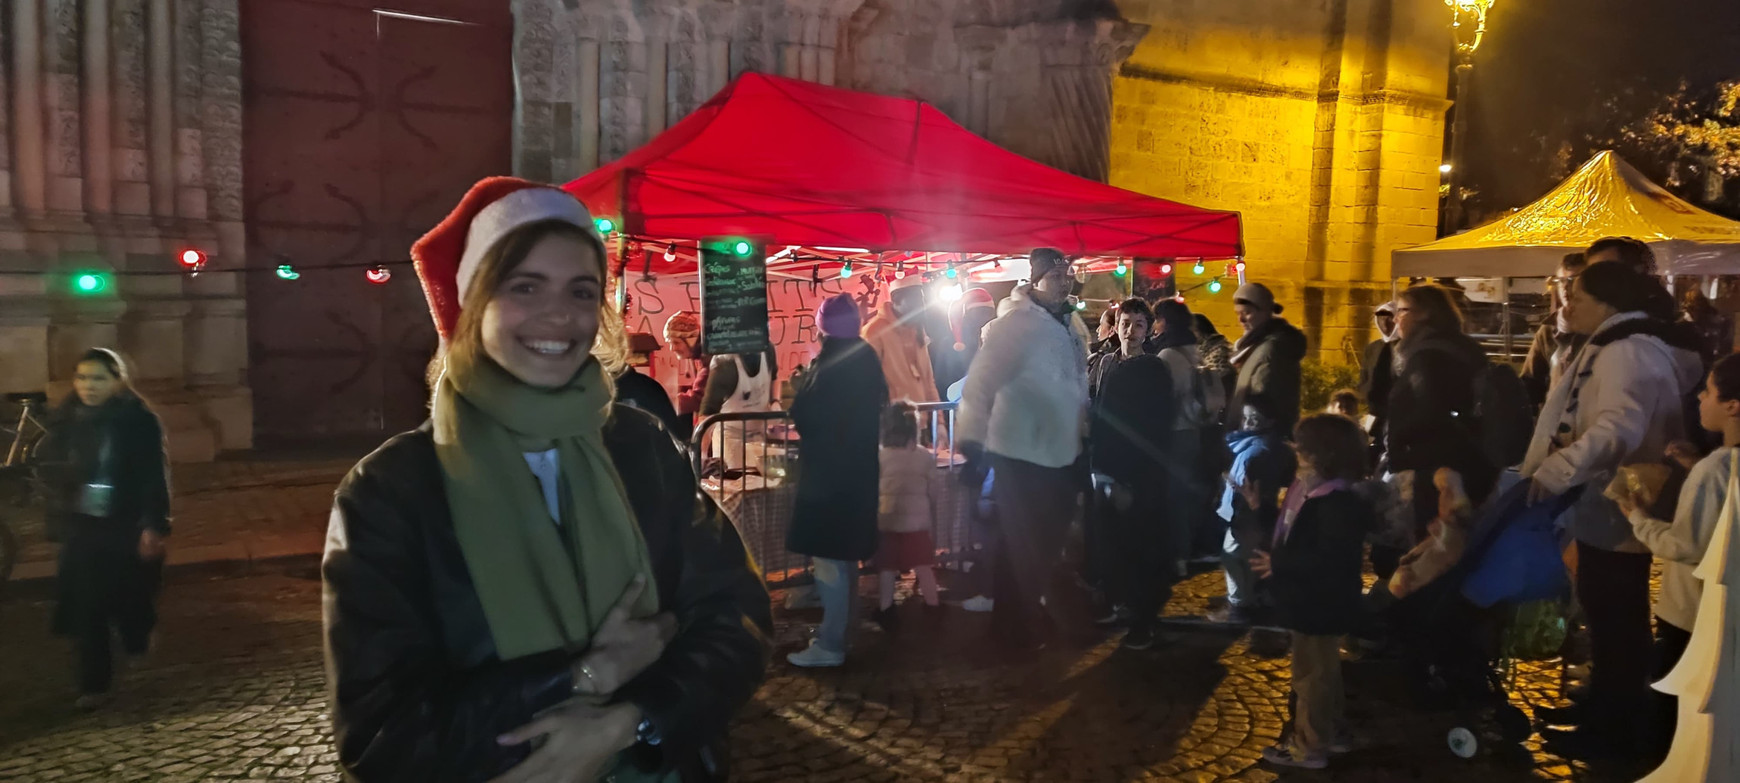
{"points": [[1620, 402]]}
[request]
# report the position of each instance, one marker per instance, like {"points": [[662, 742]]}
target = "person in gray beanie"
{"points": [[1268, 356]]}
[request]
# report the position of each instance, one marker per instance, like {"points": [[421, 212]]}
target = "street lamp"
{"points": [[1468, 24]]}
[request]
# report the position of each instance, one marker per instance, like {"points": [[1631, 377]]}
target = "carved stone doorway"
{"points": [[361, 128]]}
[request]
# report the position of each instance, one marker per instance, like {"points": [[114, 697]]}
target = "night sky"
{"points": [[1553, 70]]}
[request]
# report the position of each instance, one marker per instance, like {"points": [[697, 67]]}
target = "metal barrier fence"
{"points": [[749, 463]]}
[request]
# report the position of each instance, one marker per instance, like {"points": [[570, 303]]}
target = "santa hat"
{"points": [[973, 299], [903, 283], [447, 258]]}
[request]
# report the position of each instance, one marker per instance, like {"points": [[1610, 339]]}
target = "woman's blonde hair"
{"points": [[610, 347]]}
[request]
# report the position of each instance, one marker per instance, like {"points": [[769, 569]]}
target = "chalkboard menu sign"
{"points": [[733, 297]]}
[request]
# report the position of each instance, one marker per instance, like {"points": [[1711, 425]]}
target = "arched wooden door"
{"points": [[362, 127]]}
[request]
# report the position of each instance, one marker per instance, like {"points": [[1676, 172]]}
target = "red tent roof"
{"points": [[815, 166]]}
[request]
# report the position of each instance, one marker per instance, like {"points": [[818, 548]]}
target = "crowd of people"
{"points": [[531, 587], [1160, 439]]}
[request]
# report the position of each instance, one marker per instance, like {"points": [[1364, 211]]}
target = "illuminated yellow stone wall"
{"points": [[1321, 122]]}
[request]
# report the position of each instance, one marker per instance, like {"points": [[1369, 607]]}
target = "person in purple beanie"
{"points": [[838, 413]]}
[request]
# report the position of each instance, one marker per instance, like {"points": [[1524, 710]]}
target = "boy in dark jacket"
{"points": [[1314, 566], [1262, 462]]}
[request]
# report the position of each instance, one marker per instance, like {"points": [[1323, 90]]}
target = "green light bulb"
{"points": [[1198, 268], [742, 248], [288, 272], [605, 225], [89, 283], [1214, 286]]}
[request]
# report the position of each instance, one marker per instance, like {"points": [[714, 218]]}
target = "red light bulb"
{"points": [[191, 259], [1165, 269], [378, 275]]}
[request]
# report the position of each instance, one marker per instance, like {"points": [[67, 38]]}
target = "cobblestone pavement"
{"points": [[262, 505], [235, 691]]}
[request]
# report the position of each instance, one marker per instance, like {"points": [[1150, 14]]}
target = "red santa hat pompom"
{"points": [[447, 258]]}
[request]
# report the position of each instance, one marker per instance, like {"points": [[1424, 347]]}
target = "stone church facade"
{"points": [[137, 128]]}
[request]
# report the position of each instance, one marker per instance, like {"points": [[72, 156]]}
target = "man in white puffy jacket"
{"points": [[1024, 408]]}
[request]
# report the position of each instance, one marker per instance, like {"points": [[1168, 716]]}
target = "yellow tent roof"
{"points": [[1606, 197]]}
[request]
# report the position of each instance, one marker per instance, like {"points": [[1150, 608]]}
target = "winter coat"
{"points": [[1549, 352], [1680, 544], [641, 391], [910, 484], [1264, 458], [1316, 579], [1189, 401], [1132, 423], [1619, 402], [1268, 360], [838, 413], [1431, 411], [100, 571], [1026, 395], [904, 351], [417, 690], [138, 467]]}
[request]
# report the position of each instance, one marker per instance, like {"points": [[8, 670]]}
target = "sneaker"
{"points": [[1116, 617], [1237, 614], [886, 619], [91, 701], [1289, 756], [1139, 639], [816, 657], [978, 603]]}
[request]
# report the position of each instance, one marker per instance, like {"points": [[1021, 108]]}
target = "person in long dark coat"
{"points": [[837, 412], [109, 499]]}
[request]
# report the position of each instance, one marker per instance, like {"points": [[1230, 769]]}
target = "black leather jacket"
{"points": [[417, 691]]}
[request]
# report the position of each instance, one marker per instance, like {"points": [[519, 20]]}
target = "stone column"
{"points": [[1078, 59], [657, 77], [713, 63], [27, 139], [221, 86], [534, 64], [5, 131], [979, 45], [61, 104], [99, 195], [132, 193], [162, 115], [190, 196], [586, 103]]}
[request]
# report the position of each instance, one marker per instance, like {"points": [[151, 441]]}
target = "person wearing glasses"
{"points": [[1554, 343]]}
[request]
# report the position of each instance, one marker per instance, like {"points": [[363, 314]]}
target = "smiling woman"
{"points": [[532, 576]]}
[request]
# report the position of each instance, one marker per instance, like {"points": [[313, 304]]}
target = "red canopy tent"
{"points": [[802, 164]]}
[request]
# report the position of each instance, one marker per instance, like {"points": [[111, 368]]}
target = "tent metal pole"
{"points": [[1509, 342]]}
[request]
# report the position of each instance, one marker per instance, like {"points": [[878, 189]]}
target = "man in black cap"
{"points": [[1024, 414], [1268, 356]]}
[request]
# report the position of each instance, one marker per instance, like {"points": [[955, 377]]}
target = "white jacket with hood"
{"points": [[1629, 407], [1026, 395]]}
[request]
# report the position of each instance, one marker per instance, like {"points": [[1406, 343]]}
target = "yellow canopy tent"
{"points": [[1606, 197]]}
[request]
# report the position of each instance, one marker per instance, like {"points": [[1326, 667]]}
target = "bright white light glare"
{"points": [[951, 293], [1445, 169]]}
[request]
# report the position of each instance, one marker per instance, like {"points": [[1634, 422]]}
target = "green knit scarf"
{"points": [[543, 586]]}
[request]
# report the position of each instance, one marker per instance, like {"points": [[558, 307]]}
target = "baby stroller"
{"points": [[1499, 600]]}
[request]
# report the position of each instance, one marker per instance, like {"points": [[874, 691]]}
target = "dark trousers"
{"points": [[1613, 588], [103, 585], [1035, 505], [1670, 645], [1145, 557]]}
